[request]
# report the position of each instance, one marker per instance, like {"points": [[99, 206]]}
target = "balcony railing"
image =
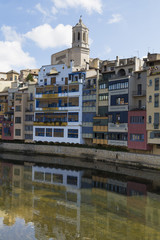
{"points": [[139, 93], [3, 101], [50, 123], [100, 141], [134, 108]]}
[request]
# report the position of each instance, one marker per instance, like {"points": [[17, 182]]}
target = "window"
{"points": [[58, 132], [28, 136], [28, 128], [53, 80], [156, 100], [120, 101], [150, 98], [103, 97], [17, 172], [117, 118], [139, 75], [31, 96], [45, 81], [39, 132], [39, 176], [137, 119], [78, 36], [71, 180], [156, 120], [156, 84], [17, 132], [18, 109], [73, 117], [72, 133], [84, 37], [17, 119], [29, 118], [157, 135], [109, 118], [137, 137], [150, 83], [48, 132], [48, 177], [119, 85], [7, 130], [103, 86], [149, 119], [57, 178], [130, 70]]}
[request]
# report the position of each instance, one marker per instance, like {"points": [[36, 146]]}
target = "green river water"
{"points": [[52, 202]]}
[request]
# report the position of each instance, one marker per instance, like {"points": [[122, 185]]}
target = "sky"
{"points": [[31, 31]]}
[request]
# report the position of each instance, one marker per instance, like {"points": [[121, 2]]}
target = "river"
{"points": [[55, 202]]}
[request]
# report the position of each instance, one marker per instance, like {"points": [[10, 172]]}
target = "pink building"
{"points": [[7, 130], [137, 134]]}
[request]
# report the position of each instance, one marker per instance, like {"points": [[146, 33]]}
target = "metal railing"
{"points": [[139, 93]]}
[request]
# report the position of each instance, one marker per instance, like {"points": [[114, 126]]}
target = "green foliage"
{"points": [[29, 77]]}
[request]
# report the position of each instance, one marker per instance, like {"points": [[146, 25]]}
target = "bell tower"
{"points": [[80, 35]]}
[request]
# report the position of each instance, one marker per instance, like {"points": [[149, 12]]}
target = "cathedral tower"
{"points": [[80, 35]]}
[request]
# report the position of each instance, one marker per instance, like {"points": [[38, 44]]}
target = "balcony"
{"points": [[49, 123], [30, 99], [117, 143], [155, 70], [100, 141], [118, 77], [139, 93], [28, 110], [100, 128], [134, 108], [118, 127], [3, 101]]}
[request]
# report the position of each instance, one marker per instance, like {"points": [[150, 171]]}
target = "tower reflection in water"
{"points": [[41, 202]]}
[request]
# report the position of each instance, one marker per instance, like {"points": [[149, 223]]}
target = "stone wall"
{"points": [[88, 154]]}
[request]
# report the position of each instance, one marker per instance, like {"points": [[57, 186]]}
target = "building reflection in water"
{"points": [[68, 203]]}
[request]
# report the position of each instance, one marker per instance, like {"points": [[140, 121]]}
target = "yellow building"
{"points": [[24, 112], [153, 101], [12, 75]]}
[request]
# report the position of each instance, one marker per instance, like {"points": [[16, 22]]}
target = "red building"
{"points": [[137, 134]]}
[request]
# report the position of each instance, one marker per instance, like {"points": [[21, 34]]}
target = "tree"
{"points": [[29, 77]]}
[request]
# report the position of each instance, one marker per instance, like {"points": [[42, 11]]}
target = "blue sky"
{"points": [[30, 31]]}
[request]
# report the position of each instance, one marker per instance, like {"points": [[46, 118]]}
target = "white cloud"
{"points": [[54, 10], [47, 37], [12, 56], [40, 9], [115, 18], [89, 5], [11, 53], [10, 34]]}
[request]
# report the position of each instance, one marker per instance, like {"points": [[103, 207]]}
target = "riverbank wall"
{"points": [[87, 154]]}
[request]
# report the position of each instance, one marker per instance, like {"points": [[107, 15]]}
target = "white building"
{"points": [[58, 105]]}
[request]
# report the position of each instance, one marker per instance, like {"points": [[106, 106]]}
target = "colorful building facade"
{"points": [[58, 105]]}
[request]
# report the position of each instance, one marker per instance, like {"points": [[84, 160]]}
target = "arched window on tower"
{"points": [[84, 37], [78, 36]]}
